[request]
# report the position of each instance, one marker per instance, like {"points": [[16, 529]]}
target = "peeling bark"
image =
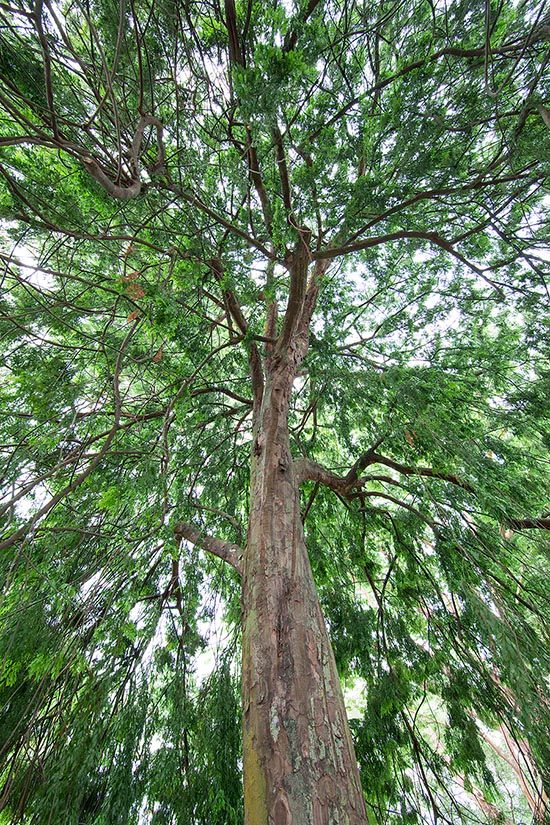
{"points": [[299, 761]]}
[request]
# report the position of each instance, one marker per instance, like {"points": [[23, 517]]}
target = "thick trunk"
{"points": [[299, 762]]}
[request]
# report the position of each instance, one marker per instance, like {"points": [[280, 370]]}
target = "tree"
{"points": [[274, 276]]}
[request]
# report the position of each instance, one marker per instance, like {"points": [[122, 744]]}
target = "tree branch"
{"points": [[376, 494], [507, 49], [224, 391], [291, 37], [299, 264], [427, 472], [234, 309], [283, 171], [230, 553], [542, 523], [134, 188], [311, 471], [432, 237], [307, 470], [312, 293]]}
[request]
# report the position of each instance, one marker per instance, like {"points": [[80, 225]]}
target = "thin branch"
{"points": [[427, 472], [405, 234], [376, 494], [234, 309], [257, 180], [283, 170], [450, 51], [25, 529], [224, 391], [47, 64], [193, 200]]}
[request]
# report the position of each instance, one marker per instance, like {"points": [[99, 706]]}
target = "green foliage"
{"points": [[416, 144]]}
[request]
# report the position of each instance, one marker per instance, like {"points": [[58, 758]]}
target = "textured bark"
{"points": [[299, 761]]}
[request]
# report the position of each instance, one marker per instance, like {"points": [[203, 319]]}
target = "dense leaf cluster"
{"points": [[410, 143]]}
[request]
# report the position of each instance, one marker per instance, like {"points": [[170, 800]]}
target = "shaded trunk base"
{"points": [[299, 761]]}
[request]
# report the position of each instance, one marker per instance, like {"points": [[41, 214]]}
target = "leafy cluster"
{"points": [[159, 163]]}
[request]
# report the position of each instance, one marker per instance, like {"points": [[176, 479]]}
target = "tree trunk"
{"points": [[299, 761]]}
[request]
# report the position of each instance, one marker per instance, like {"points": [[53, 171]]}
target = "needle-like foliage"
{"points": [[163, 168]]}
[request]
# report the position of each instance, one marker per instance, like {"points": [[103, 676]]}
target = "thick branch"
{"points": [[542, 523], [224, 391], [299, 265], [346, 485], [134, 188], [235, 51], [312, 293], [307, 470], [231, 553]]}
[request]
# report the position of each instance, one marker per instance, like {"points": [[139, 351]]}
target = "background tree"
{"points": [[274, 272]]}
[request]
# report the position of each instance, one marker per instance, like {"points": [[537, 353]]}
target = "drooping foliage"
{"points": [[159, 162]]}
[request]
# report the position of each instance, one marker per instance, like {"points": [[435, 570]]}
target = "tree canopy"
{"points": [[161, 164]]}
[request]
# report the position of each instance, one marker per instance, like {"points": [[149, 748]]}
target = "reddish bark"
{"points": [[299, 761]]}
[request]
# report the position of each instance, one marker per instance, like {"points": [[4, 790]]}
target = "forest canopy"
{"points": [[196, 198]]}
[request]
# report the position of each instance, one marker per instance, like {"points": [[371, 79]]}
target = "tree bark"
{"points": [[299, 760]]}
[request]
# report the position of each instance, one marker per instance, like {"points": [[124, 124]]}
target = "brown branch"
{"points": [[193, 200], [47, 64], [478, 183], [375, 494], [225, 550], [224, 391], [405, 234], [235, 52], [352, 485], [307, 470], [134, 188], [292, 35], [98, 173], [257, 180], [299, 265], [427, 472], [254, 359], [542, 523], [312, 293], [95, 170], [450, 51]]}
